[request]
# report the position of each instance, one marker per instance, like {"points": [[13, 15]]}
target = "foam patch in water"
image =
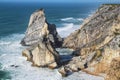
{"points": [[67, 29], [72, 19]]}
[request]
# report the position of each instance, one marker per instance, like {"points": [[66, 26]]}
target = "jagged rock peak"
{"points": [[36, 15], [39, 30]]}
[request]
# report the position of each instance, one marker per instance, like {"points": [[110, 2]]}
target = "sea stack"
{"points": [[41, 39]]}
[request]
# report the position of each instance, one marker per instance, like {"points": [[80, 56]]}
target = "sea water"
{"points": [[14, 18]]}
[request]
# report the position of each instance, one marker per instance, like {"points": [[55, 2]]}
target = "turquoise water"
{"points": [[4, 74], [14, 18]]}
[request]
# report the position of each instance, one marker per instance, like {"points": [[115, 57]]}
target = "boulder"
{"points": [[45, 55]]}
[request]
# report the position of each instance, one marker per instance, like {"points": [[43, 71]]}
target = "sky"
{"points": [[73, 1]]}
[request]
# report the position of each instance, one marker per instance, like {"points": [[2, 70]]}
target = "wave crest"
{"points": [[67, 29], [72, 19]]}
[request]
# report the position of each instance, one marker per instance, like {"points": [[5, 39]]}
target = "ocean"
{"points": [[14, 18]]}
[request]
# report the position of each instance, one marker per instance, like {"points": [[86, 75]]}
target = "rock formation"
{"points": [[97, 41], [96, 44], [41, 39]]}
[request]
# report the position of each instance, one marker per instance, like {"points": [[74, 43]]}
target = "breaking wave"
{"points": [[67, 29], [72, 19]]}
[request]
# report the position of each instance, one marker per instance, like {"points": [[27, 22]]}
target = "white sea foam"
{"points": [[65, 19], [82, 76], [20, 69], [67, 29], [10, 44], [80, 19], [25, 71], [72, 19]]}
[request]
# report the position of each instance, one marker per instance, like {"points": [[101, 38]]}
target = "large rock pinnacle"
{"points": [[41, 39]]}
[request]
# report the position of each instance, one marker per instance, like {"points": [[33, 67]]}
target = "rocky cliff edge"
{"points": [[97, 42]]}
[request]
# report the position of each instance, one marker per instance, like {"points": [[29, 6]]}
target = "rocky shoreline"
{"points": [[96, 45]]}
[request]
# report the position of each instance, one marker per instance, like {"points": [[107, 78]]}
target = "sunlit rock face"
{"points": [[97, 41], [41, 39], [42, 55]]}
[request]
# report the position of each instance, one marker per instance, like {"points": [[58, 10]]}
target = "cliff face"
{"points": [[97, 41], [41, 39], [104, 23]]}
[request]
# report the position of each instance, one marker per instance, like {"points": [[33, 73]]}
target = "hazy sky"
{"points": [[60, 1]]}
